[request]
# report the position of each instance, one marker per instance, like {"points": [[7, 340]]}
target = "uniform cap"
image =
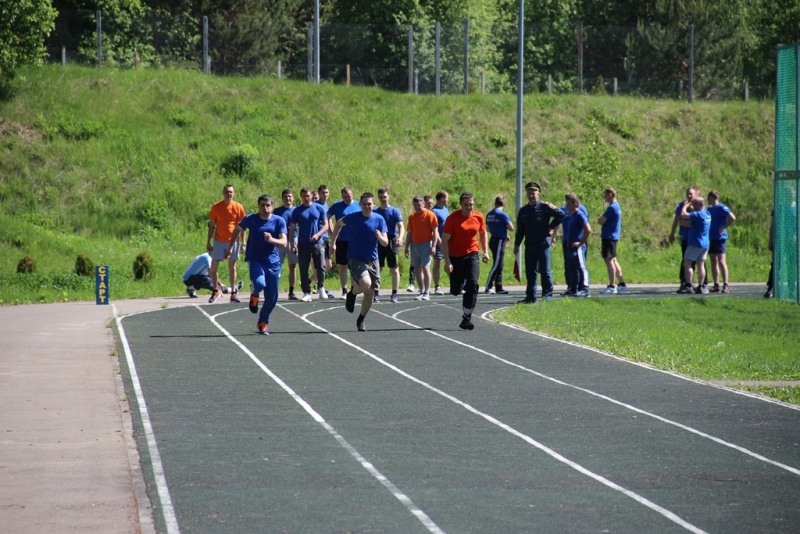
{"points": [[533, 185]]}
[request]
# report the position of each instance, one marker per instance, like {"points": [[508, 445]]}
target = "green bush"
{"points": [[239, 160], [84, 266], [26, 265], [143, 267]]}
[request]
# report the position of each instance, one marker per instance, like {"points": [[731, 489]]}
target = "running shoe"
{"points": [[438, 291], [501, 291], [360, 325], [214, 296], [685, 290], [376, 298], [610, 290], [410, 288], [330, 295], [548, 297], [703, 290], [263, 328], [568, 293], [489, 291], [192, 293], [527, 300], [306, 297], [394, 298], [466, 322], [292, 296], [726, 288], [222, 288], [253, 304], [715, 289], [768, 294], [323, 295], [235, 297], [239, 286], [622, 288], [583, 294], [419, 297], [350, 302], [426, 296], [344, 294]]}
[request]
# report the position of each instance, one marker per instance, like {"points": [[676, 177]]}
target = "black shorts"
{"points": [[387, 255], [341, 252], [608, 249]]}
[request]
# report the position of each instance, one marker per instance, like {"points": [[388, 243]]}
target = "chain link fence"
{"points": [[442, 59]]}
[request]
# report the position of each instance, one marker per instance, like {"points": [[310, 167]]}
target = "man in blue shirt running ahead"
{"points": [[367, 231]]}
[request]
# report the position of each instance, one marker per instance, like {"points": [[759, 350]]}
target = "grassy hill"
{"points": [[109, 163]]}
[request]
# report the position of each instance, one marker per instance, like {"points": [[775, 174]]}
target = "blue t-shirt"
{"points": [[363, 241], [719, 215], [307, 221], [700, 224], [392, 216], [257, 247], [567, 217], [200, 265], [286, 213], [577, 224], [441, 216], [612, 227], [339, 210], [497, 222], [324, 206], [683, 230]]}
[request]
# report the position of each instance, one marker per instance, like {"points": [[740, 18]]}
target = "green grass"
{"points": [[713, 339], [111, 162]]}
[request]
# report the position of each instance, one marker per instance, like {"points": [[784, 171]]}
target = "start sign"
{"points": [[101, 284]]}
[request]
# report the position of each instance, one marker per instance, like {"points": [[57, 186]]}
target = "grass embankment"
{"points": [[109, 163], [731, 339]]}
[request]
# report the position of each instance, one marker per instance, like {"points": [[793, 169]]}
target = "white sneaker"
{"points": [[323, 295], [622, 289], [410, 288], [489, 291], [419, 297], [306, 297], [610, 290], [583, 294], [438, 291], [425, 296]]}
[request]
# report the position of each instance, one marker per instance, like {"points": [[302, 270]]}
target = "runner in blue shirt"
{"points": [[721, 218], [566, 249], [335, 213], [697, 243], [441, 211], [308, 224], [323, 193], [395, 233], [611, 222], [285, 211], [367, 231], [499, 224], [266, 233], [677, 222]]}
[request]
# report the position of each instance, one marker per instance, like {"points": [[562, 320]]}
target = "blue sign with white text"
{"points": [[101, 284]]}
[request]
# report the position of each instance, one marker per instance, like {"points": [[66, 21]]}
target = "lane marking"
{"points": [[547, 450], [715, 439], [426, 521], [167, 508]]}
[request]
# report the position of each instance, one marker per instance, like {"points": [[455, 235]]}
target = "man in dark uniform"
{"points": [[536, 223]]}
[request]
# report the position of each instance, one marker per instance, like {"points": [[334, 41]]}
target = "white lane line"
{"points": [[426, 521], [577, 467], [715, 439], [167, 509]]}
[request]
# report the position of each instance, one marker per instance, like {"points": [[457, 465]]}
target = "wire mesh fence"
{"points": [[449, 58]]}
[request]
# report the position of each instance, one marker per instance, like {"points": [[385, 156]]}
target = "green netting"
{"points": [[787, 175]]}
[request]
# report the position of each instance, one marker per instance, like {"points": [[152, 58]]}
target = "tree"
{"points": [[24, 25]]}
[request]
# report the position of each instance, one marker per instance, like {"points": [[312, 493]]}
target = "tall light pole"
{"points": [[520, 91]]}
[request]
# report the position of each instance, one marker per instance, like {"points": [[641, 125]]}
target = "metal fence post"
{"points": [[466, 56], [99, 38], [438, 52], [206, 63], [316, 41], [690, 89], [411, 59], [310, 39], [64, 56]]}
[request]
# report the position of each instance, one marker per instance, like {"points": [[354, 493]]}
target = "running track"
{"points": [[417, 426]]}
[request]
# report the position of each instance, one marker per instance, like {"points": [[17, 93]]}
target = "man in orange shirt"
{"points": [[225, 216], [460, 248], [422, 235]]}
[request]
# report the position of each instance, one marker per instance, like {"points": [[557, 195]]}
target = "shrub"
{"points": [[143, 268], [26, 265], [84, 266], [239, 160], [599, 87]]}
